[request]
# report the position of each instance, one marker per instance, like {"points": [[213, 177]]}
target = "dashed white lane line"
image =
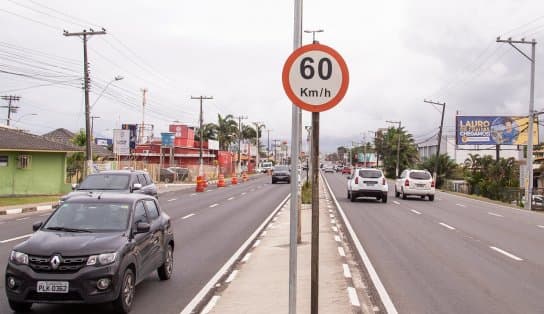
{"points": [[230, 198], [244, 193], [512, 256], [337, 238], [214, 205], [353, 298], [188, 216], [193, 194], [333, 221], [446, 225], [231, 277], [415, 212], [347, 272], [395, 202], [341, 251], [257, 243], [494, 214], [252, 190], [540, 226], [45, 215], [16, 238], [172, 199], [334, 228], [461, 205], [246, 258], [211, 304], [24, 218]]}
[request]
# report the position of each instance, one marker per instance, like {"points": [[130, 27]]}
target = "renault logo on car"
{"points": [[55, 262]]}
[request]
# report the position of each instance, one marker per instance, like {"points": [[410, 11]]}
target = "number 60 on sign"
{"points": [[315, 77]]}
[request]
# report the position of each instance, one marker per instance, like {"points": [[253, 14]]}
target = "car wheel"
{"points": [[397, 194], [384, 199], [353, 198], [403, 195], [124, 301], [273, 182], [166, 269], [422, 197], [167, 180], [349, 194], [19, 306], [431, 198]]}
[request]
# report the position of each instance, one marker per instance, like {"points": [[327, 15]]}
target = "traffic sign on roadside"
{"points": [[315, 77]]}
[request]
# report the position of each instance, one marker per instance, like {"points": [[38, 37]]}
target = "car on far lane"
{"points": [[346, 170], [328, 168], [367, 182], [281, 174], [415, 182]]}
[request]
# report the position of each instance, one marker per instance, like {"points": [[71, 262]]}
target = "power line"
{"points": [[32, 20]]}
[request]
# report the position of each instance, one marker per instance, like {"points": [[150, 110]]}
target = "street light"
{"points": [[398, 146], [313, 34], [115, 79]]}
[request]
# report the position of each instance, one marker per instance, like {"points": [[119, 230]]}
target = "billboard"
{"points": [[121, 142], [103, 141], [494, 130]]}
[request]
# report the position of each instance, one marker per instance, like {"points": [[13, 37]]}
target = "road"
{"points": [[453, 255], [209, 228]]}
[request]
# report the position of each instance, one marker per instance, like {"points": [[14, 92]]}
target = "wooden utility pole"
{"points": [[11, 108], [201, 119]]}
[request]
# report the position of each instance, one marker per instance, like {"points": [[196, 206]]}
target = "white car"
{"points": [[415, 182], [328, 168], [369, 182]]}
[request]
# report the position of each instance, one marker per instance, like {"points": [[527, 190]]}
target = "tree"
{"points": [[386, 147], [227, 131], [209, 132], [446, 167], [248, 133]]}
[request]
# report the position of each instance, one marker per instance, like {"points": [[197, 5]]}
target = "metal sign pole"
{"points": [[315, 214]]}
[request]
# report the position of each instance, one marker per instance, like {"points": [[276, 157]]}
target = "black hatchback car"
{"points": [[92, 249], [281, 173], [117, 181]]}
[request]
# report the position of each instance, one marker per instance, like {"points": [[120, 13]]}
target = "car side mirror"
{"points": [[37, 225], [136, 186], [74, 186], [142, 227]]}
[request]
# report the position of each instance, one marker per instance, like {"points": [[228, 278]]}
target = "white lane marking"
{"points": [[415, 212], [337, 238], [347, 272], [172, 199], [446, 225], [353, 298], [16, 238], [256, 243], [461, 205], [333, 221], [44, 207], [231, 276], [45, 215], [211, 304], [540, 226], [230, 198], [341, 251], [264, 233], [214, 205], [188, 216], [252, 190], [193, 194], [14, 211], [244, 193], [334, 228], [24, 218], [512, 256], [396, 202], [331, 215], [495, 214], [246, 258], [439, 199]]}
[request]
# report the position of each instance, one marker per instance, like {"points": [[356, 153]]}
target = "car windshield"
{"points": [[281, 168], [370, 174], [420, 175], [105, 182], [90, 217]]}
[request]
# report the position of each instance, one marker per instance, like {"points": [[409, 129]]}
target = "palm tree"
{"points": [[446, 167], [209, 132], [227, 131], [386, 147]]}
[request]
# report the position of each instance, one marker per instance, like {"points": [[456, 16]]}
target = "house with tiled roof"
{"points": [[32, 164], [65, 136]]}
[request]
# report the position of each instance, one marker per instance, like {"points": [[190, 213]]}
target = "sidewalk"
{"points": [[260, 282]]}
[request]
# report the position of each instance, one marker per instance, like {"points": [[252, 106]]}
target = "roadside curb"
{"points": [[27, 209]]}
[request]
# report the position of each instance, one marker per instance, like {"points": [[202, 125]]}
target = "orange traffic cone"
{"points": [[221, 181], [234, 180], [199, 184], [204, 181]]}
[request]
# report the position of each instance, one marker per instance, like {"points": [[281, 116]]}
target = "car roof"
{"points": [[120, 172], [368, 169], [107, 197]]}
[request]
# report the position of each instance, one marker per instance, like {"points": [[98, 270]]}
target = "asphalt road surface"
{"points": [[208, 228], [453, 255]]}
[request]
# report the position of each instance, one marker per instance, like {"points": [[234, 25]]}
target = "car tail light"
{"points": [[432, 184], [356, 180], [407, 182], [383, 181]]}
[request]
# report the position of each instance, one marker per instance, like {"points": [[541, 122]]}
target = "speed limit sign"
{"points": [[315, 77]]}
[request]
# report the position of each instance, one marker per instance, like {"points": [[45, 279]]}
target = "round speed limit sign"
{"points": [[315, 77]]}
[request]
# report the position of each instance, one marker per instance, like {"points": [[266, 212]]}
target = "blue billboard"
{"points": [[494, 130]]}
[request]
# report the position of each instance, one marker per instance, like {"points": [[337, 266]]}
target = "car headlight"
{"points": [[18, 258], [101, 259]]}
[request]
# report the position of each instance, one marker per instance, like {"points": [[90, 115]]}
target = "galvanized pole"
{"points": [[315, 216], [201, 120], [437, 160], [295, 113]]}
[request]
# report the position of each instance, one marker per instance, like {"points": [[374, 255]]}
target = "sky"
{"points": [[398, 53]]}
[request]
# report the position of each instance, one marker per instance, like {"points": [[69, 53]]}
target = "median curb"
{"points": [[26, 208]]}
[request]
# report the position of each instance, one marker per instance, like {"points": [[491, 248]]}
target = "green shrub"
{"points": [[307, 193]]}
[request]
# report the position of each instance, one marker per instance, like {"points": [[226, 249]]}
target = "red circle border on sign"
{"points": [[343, 87]]}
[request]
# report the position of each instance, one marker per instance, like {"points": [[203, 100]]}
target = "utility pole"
{"points": [[258, 126], [529, 184], [87, 80], [201, 119], [398, 146], [144, 101], [11, 108], [275, 151], [240, 118], [437, 161], [268, 144]]}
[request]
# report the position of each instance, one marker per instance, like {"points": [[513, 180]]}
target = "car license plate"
{"points": [[370, 184], [52, 286], [420, 185]]}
